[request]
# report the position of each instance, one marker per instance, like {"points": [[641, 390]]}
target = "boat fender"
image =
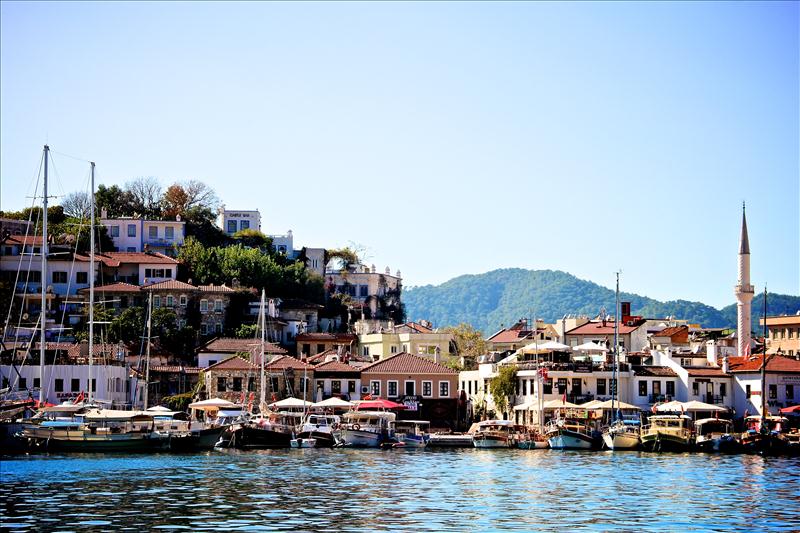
{"points": [[356, 427]]}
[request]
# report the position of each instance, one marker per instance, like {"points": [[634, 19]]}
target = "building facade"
{"points": [[232, 221]]}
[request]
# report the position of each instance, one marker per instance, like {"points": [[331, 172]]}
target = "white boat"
{"points": [[715, 435], [450, 440], [494, 434], [303, 443], [367, 429], [569, 434], [623, 434], [321, 428], [412, 433]]}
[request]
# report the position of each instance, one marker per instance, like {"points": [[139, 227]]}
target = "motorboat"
{"points": [[623, 434], [321, 428], [412, 433], [367, 429], [532, 439], [303, 443], [570, 434], [715, 435], [266, 430], [450, 440], [494, 434], [667, 433], [765, 435]]}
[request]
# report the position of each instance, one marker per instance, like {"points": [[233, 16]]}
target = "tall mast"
{"points": [[91, 285], [764, 367], [263, 327], [539, 377], [42, 314], [616, 351], [147, 350]]}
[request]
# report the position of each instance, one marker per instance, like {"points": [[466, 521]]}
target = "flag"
{"points": [[79, 398], [564, 398]]}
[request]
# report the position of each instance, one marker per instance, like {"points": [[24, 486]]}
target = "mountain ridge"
{"points": [[500, 297]]}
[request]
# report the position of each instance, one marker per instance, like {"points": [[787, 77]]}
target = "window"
{"points": [[642, 388], [182, 300], [114, 231], [444, 389], [59, 277], [485, 386], [244, 224], [59, 385], [601, 387], [82, 277], [351, 386], [34, 276], [747, 391], [336, 386], [362, 291], [75, 386], [153, 232], [547, 386], [203, 329], [170, 301], [23, 384], [156, 301], [169, 233], [562, 385], [657, 388], [375, 388], [524, 387], [411, 388], [203, 306], [670, 388], [695, 388], [306, 349], [273, 383], [36, 383], [789, 392], [393, 349], [722, 390], [391, 387], [427, 389], [131, 230], [773, 391], [231, 226], [320, 348], [221, 384], [365, 351], [469, 387], [217, 305], [218, 327], [251, 384], [237, 384]]}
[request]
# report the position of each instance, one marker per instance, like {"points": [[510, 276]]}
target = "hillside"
{"points": [[503, 296]]}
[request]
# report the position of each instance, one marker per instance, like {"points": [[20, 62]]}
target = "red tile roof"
{"points": [[654, 371], [597, 328], [416, 327], [284, 361], [330, 337], [215, 288], [233, 363], [175, 369], [171, 284], [114, 287], [233, 345], [511, 335], [671, 332], [705, 372], [115, 259], [775, 363], [320, 357], [406, 363], [22, 239], [335, 366]]}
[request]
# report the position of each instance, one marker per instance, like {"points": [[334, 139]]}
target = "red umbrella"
{"points": [[793, 410], [379, 403]]}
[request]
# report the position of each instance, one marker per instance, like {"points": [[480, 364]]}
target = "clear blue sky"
{"points": [[447, 138]]}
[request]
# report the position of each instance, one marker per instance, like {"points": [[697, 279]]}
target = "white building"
{"points": [[139, 235], [231, 221], [782, 383]]}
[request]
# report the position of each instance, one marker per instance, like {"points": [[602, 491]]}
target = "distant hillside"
{"points": [[503, 296]]}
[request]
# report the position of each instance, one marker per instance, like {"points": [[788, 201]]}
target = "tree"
{"points": [[77, 205], [180, 199], [145, 196], [253, 238], [469, 341], [115, 201], [503, 387]]}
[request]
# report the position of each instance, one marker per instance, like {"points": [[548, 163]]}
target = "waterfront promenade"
{"points": [[401, 490]]}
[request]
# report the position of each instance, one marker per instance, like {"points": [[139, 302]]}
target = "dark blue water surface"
{"points": [[401, 490]]}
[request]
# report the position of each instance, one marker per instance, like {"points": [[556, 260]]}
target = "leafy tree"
{"points": [[253, 238], [128, 326], [115, 201], [469, 342], [503, 387], [180, 199], [200, 225], [247, 331]]}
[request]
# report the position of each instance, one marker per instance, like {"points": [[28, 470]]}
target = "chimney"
{"points": [[437, 355], [625, 311], [103, 213]]}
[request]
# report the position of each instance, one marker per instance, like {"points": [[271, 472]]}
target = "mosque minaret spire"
{"points": [[744, 291]]}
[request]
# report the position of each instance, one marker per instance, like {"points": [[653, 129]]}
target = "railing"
{"points": [[712, 399], [655, 398], [573, 367]]}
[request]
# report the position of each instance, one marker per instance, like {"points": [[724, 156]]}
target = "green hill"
{"points": [[504, 296]]}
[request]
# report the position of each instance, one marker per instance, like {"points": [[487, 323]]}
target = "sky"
{"points": [[442, 138]]}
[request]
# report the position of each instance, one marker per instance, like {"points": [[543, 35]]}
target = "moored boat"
{"points": [[623, 434], [367, 429], [667, 433], [570, 434], [494, 434], [765, 435], [715, 435], [321, 428], [450, 440], [412, 433]]}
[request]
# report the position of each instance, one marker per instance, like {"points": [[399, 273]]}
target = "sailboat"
{"points": [[90, 429], [622, 433], [534, 439]]}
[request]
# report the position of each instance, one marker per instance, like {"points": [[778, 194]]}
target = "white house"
{"points": [[231, 221], [139, 235], [782, 383]]}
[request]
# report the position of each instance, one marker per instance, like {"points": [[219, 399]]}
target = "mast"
{"points": [[764, 368], [147, 350], [42, 314], [263, 327], [539, 377], [616, 351], [91, 287]]}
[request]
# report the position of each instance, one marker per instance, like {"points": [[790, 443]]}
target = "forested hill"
{"points": [[503, 296]]}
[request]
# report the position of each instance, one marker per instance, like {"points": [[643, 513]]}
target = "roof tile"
{"points": [[406, 363]]}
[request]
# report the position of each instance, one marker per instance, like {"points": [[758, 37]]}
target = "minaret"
{"points": [[744, 292]]}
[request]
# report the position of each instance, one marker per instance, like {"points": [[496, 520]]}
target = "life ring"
{"points": [[356, 427]]}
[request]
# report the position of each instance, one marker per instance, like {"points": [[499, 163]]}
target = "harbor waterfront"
{"points": [[401, 490]]}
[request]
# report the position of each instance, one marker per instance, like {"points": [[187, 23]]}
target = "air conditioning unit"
{"points": [[364, 389]]}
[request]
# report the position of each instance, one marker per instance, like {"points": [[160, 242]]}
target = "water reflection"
{"points": [[401, 490]]}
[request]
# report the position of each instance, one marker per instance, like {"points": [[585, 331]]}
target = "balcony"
{"points": [[578, 367]]}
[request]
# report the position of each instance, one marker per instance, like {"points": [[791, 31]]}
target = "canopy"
{"points": [[693, 406], [793, 410], [558, 404], [333, 402], [524, 406], [617, 405], [212, 404], [590, 347], [291, 403], [160, 409], [591, 404], [548, 346], [379, 403]]}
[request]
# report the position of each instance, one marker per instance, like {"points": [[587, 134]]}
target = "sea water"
{"points": [[401, 490]]}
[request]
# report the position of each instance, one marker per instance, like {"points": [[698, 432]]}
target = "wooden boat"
{"points": [[667, 433], [715, 435], [765, 437], [532, 439], [570, 434], [367, 429], [494, 434], [412, 433], [623, 434], [320, 427]]}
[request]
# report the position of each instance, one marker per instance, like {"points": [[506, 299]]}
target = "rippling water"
{"points": [[401, 490]]}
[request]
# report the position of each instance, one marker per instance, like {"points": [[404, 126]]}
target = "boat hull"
{"points": [[204, 439], [450, 441], [361, 439], [490, 441], [565, 439], [249, 437], [533, 445], [620, 441], [324, 439], [665, 442], [88, 443], [723, 444]]}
